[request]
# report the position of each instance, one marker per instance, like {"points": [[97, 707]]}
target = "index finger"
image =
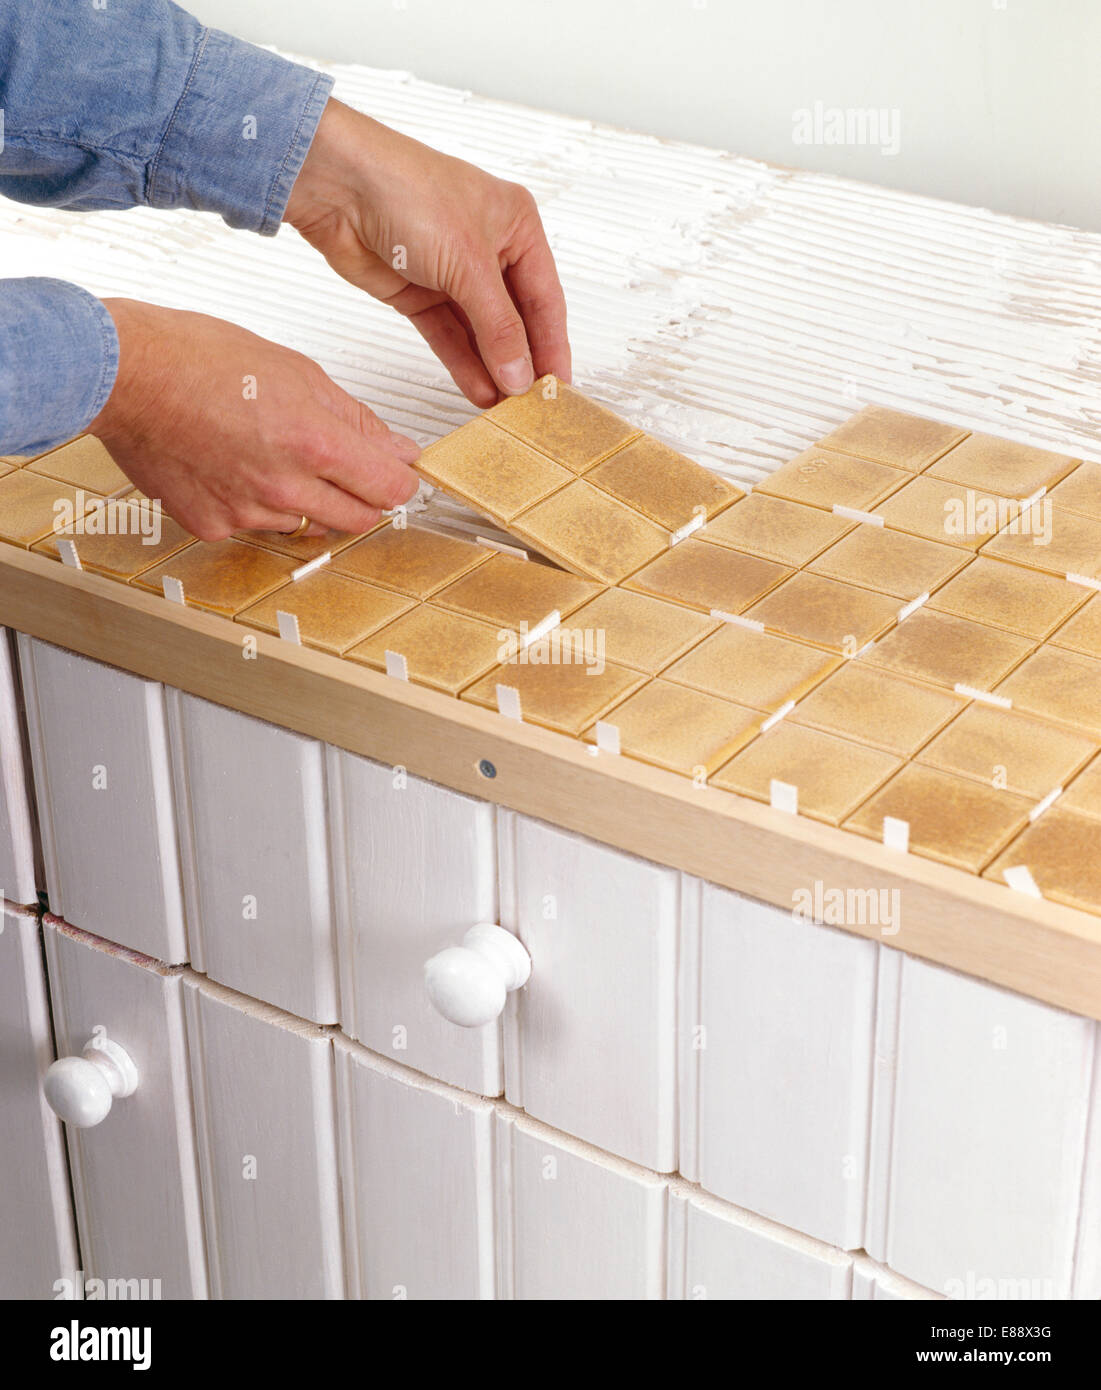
{"points": [[538, 295]]}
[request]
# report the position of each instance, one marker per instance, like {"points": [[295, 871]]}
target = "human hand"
{"points": [[233, 432], [460, 253]]}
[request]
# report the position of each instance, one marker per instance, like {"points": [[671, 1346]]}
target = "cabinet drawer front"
{"points": [[17, 867]]}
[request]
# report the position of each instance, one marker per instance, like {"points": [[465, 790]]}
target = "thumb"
{"points": [[499, 331]]}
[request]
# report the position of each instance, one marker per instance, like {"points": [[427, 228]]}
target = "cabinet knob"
{"points": [[468, 984], [81, 1090]]}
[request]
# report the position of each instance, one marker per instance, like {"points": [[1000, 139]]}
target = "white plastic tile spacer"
{"points": [[984, 697], [785, 708], [783, 796], [502, 547], [1085, 580], [896, 833], [683, 532], [508, 702], [912, 607], [173, 589], [67, 550], [854, 514], [1048, 801], [308, 568], [288, 627], [397, 666], [851, 656], [1031, 501], [607, 736], [548, 624], [1019, 877], [737, 620]]}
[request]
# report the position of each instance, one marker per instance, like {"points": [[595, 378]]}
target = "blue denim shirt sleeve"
{"points": [[132, 103]]}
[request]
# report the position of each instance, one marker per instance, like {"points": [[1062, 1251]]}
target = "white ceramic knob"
{"points": [[81, 1090], [468, 984]]}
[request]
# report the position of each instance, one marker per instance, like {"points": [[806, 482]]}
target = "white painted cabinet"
{"points": [[418, 1183], [1087, 1268], [985, 1164], [874, 1283], [17, 865], [252, 821], [415, 867], [37, 1235], [99, 745], [574, 1223], [265, 1114], [135, 1179], [592, 1038], [787, 1019]]}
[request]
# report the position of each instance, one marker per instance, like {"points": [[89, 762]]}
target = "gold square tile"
{"points": [[681, 730], [1059, 685], [662, 484], [30, 504], [868, 706], [120, 540], [890, 562], [1001, 466], [590, 533], [442, 649], [1009, 596], [492, 470], [1080, 491], [1083, 795], [821, 478], [304, 548], [702, 575], [334, 613], [839, 617], [221, 576], [1006, 749], [409, 559], [1057, 541], [833, 776], [5, 469], [753, 668], [643, 633], [1062, 851], [83, 463], [1082, 632], [561, 422], [951, 819], [946, 512], [516, 594], [949, 651], [15, 460], [565, 696], [892, 437], [787, 532]]}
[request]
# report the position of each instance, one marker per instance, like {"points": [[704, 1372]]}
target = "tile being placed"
{"points": [[31, 504], [409, 559], [1001, 466], [681, 730], [1062, 851], [1060, 542], [565, 696], [1083, 795], [892, 437], [787, 532], [562, 423], [890, 562], [641, 632], [839, 617], [517, 594], [1009, 596], [1004, 748], [701, 575], [444, 650], [871, 707], [832, 775], [491, 470], [222, 577], [946, 512], [1060, 685], [334, 613], [133, 539], [951, 819], [821, 478], [943, 650], [83, 463], [663, 485], [1082, 632], [753, 668], [590, 533], [1080, 491]]}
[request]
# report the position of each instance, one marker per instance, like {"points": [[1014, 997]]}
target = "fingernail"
{"points": [[516, 377], [408, 450]]}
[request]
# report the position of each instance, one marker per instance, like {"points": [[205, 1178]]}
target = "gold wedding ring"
{"points": [[300, 530]]}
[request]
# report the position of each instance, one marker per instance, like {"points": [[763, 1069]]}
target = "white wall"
{"points": [[998, 101]]}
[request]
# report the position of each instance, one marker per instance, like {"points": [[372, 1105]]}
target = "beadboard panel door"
{"points": [[415, 867], [135, 1177], [717, 1251], [17, 866], [252, 815], [417, 1183], [37, 1233], [265, 1112], [592, 1038], [786, 1042], [99, 744], [988, 1138], [574, 1223]]}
